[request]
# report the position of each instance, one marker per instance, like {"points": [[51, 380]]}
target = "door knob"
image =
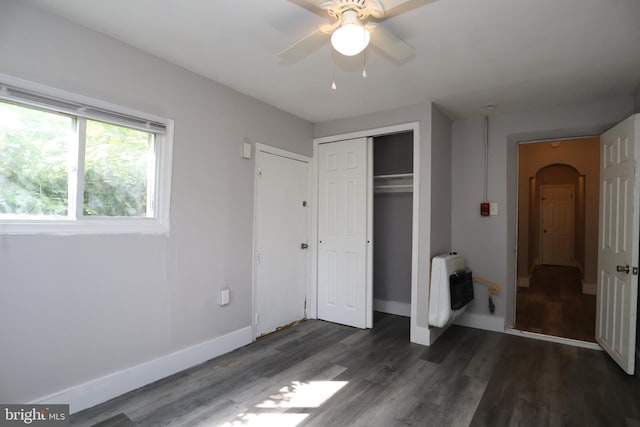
{"points": [[622, 269], [303, 246]]}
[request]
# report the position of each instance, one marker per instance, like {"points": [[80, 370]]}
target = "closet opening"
{"points": [[392, 223]]}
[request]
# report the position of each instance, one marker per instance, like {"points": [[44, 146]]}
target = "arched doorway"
{"points": [[557, 238]]}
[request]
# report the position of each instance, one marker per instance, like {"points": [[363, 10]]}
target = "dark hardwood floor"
{"points": [[322, 374], [554, 304]]}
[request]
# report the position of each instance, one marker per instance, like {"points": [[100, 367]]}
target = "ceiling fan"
{"points": [[354, 23]]}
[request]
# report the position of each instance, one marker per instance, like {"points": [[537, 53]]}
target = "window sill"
{"points": [[68, 227]]}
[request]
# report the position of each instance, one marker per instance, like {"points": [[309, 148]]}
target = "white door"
{"points": [[617, 298], [342, 232], [556, 208], [281, 264]]}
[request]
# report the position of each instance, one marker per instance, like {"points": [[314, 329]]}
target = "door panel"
{"points": [[342, 232], [618, 243], [281, 228]]}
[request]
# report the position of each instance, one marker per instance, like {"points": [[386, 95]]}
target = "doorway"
{"points": [[419, 331], [365, 216], [558, 192], [392, 223]]}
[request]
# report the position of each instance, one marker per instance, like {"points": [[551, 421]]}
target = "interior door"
{"points": [[342, 232], [556, 205], [282, 185], [618, 243]]}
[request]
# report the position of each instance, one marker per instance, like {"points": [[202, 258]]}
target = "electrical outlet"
{"points": [[223, 297]]}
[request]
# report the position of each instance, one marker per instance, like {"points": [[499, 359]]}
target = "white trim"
{"points": [[392, 307], [419, 334], [264, 148], [101, 389], [589, 288], [481, 321], [523, 281], [551, 338]]}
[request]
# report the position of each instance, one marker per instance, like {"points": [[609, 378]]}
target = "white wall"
{"points": [[489, 243], [434, 195], [78, 308]]}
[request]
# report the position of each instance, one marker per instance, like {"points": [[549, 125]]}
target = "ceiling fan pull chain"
{"points": [[364, 63], [333, 61]]}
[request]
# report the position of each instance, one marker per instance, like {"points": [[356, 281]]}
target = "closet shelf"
{"points": [[394, 183]]}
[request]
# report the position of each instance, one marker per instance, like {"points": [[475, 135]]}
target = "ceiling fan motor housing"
{"points": [[363, 8]]}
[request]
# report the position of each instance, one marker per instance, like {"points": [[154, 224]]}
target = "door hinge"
{"points": [[257, 258], [259, 172], [257, 318]]}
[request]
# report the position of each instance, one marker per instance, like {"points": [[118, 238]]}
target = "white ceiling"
{"points": [[519, 54]]}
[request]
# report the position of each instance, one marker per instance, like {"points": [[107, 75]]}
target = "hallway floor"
{"points": [[554, 304]]}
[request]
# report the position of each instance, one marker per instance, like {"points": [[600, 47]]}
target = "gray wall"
{"points": [[489, 243], [77, 308], [392, 216], [392, 221], [441, 174], [637, 100], [434, 231]]}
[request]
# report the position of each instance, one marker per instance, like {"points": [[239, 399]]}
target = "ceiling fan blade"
{"points": [[390, 44], [305, 46], [313, 6], [396, 7]]}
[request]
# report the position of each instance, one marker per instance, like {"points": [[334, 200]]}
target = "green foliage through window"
{"points": [[34, 155], [38, 156], [116, 169]]}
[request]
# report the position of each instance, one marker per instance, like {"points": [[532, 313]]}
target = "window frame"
{"points": [[81, 224]]}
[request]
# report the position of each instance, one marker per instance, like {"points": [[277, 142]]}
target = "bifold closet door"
{"points": [[342, 232]]}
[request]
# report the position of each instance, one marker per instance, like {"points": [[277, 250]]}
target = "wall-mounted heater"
{"points": [[451, 289]]}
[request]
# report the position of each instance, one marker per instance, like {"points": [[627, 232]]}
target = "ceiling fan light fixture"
{"points": [[351, 38]]}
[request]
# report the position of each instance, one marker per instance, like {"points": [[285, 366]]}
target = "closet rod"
{"points": [[394, 186], [395, 175]]}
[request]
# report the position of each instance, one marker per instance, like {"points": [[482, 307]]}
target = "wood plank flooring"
{"points": [[322, 374], [554, 304]]}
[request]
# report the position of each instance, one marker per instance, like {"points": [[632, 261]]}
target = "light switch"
{"points": [[223, 297], [246, 150], [493, 209]]}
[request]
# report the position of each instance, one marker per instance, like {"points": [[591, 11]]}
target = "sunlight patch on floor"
{"points": [[303, 394], [298, 394]]}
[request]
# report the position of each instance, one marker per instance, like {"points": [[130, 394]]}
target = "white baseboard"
{"points": [[481, 321], [392, 307], [589, 288], [523, 281], [100, 390]]}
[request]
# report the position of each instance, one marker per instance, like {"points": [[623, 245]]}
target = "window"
{"points": [[68, 166]]}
